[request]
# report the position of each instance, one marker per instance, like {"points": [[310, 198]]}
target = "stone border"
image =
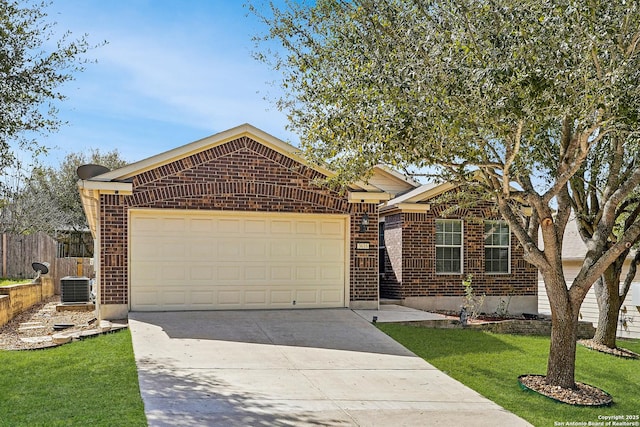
{"points": [[61, 338], [104, 327], [507, 326]]}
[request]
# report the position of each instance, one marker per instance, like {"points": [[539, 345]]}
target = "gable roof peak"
{"points": [[243, 130]]}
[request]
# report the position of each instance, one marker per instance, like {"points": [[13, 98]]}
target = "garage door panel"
{"points": [[233, 261], [229, 226], [173, 225], [202, 225], [280, 249], [331, 251], [229, 273], [331, 296], [201, 251], [147, 298], [172, 249], [146, 248], [228, 297], [257, 297], [257, 250], [201, 272], [255, 273], [331, 273], [174, 297], [306, 273], [280, 273], [173, 271], [147, 270], [144, 225], [281, 226], [281, 297], [306, 227], [229, 249], [307, 249], [255, 226], [307, 296], [331, 228], [202, 298]]}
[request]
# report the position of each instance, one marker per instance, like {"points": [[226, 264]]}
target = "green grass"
{"points": [[9, 281], [491, 363], [93, 382]]}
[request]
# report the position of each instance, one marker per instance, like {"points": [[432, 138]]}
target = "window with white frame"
{"points": [[497, 239], [448, 246]]}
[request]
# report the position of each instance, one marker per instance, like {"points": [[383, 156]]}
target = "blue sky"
{"points": [[171, 73]]}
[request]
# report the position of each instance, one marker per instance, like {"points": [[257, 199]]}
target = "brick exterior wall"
{"points": [[240, 175], [410, 244], [114, 259], [364, 262]]}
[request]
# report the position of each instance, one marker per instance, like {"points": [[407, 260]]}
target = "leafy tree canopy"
{"points": [[419, 83], [34, 65], [48, 199], [518, 93], [61, 185]]}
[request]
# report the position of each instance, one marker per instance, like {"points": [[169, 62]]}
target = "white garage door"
{"points": [[202, 260]]}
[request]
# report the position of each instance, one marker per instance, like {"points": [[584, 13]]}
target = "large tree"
{"points": [[35, 63], [21, 210], [594, 183], [516, 92], [56, 189]]}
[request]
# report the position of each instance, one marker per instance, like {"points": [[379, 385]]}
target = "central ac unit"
{"points": [[75, 289]]}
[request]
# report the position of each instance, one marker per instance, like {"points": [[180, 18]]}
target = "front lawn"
{"points": [[93, 382], [491, 363]]}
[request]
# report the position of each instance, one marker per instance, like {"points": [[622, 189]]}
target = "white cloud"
{"points": [[170, 73]]}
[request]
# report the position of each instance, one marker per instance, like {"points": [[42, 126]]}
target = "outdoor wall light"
{"points": [[364, 222]]}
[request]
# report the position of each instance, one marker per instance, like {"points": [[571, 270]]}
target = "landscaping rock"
{"points": [[61, 338], [105, 326], [44, 317], [37, 340]]}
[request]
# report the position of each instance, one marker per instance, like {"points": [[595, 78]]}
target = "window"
{"points": [[496, 247], [449, 246]]}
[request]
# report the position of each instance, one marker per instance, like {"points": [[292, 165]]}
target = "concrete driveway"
{"points": [[292, 368]]}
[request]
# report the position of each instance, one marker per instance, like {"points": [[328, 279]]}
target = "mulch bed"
{"points": [[619, 352], [582, 395]]}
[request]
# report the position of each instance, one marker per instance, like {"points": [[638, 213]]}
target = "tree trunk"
{"points": [[562, 352], [607, 290], [564, 331]]}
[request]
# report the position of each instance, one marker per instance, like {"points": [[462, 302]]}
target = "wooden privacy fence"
{"points": [[18, 251]]}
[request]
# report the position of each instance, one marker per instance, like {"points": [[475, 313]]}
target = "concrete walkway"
{"points": [[397, 313], [293, 368]]}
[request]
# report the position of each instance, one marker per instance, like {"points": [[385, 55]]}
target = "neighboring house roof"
{"points": [[382, 185], [573, 248]]}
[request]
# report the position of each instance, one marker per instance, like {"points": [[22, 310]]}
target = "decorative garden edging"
{"points": [[507, 326], [583, 395]]}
